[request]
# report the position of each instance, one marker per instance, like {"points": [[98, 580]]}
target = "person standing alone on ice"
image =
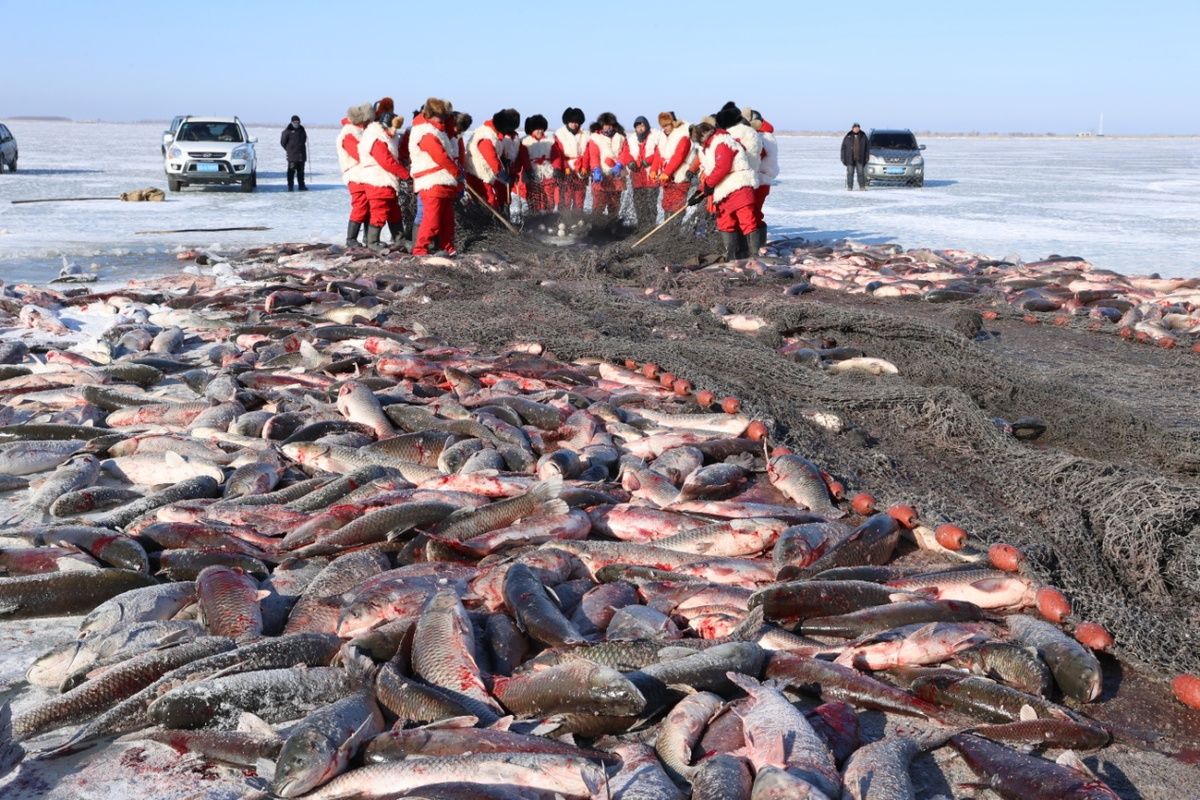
{"points": [[356, 119], [568, 156], [607, 157], [437, 177], [854, 155], [729, 182], [294, 141], [382, 172]]}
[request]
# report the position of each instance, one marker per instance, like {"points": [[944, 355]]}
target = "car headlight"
{"points": [[242, 153], [174, 152], [917, 161], [874, 159]]}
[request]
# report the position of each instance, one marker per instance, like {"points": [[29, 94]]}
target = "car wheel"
{"points": [[248, 184], [12, 165], [919, 182], [174, 184], [254, 180]]}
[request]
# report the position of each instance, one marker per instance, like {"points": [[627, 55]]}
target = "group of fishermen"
{"points": [[727, 161]]}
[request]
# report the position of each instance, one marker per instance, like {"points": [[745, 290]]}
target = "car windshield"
{"points": [[209, 132], [888, 140]]}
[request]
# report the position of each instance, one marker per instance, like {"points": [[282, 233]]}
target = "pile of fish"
{"points": [[1162, 311], [315, 543]]}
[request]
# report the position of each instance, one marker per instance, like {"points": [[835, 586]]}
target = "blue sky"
{"points": [[948, 66]]}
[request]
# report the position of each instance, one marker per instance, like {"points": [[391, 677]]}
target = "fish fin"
{"points": [[173, 459], [547, 726], [1028, 713], [547, 490], [1071, 760], [252, 723], [265, 768], [502, 724], [553, 508], [567, 738], [900, 597], [743, 682], [263, 594], [347, 748]]}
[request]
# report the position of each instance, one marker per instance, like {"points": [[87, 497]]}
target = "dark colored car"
{"points": [[8, 149]]}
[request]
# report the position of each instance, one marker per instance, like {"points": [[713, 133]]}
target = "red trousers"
{"points": [[737, 212], [571, 191], [383, 204], [760, 198], [540, 195], [437, 221], [606, 196], [674, 196], [359, 208], [496, 193]]}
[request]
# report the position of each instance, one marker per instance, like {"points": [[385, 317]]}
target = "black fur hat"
{"points": [[728, 116], [535, 123], [507, 120], [573, 115]]}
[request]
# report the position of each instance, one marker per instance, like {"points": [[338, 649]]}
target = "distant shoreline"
{"points": [[990, 135]]}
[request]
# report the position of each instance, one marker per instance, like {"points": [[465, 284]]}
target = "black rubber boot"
{"points": [[352, 229], [373, 242], [730, 240], [396, 229], [755, 241]]}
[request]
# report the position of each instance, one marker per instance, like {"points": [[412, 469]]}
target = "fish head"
{"points": [[304, 762], [613, 690]]}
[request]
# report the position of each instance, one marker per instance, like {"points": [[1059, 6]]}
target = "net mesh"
{"points": [[1106, 504]]}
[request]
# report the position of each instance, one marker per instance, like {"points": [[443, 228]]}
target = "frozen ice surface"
{"points": [[1131, 205]]}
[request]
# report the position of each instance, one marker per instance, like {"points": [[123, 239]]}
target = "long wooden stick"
{"points": [[661, 225], [62, 200], [205, 230], [495, 213]]}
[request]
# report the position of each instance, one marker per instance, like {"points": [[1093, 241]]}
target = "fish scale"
{"points": [[443, 648]]}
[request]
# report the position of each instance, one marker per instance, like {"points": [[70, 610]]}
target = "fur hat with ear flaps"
{"points": [[535, 123], [609, 118], [700, 132], [359, 115], [728, 116], [507, 120], [436, 108], [573, 115]]}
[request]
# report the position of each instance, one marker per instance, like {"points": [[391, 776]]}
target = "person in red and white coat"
{"points": [[489, 155], [731, 120], [437, 176], [642, 146], [537, 166], [728, 182], [356, 120], [768, 168], [672, 161], [568, 156], [607, 158], [382, 172]]}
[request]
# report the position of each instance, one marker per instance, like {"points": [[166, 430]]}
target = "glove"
{"points": [[634, 166], [527, 176], [559, 174], [696, 198], [502, 176], [691, 176], [597, 175], [663, 178], [616, 170]]}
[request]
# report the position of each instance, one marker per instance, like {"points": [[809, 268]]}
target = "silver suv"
{"points": [[8, 149], [211, 150], [895, 157]]}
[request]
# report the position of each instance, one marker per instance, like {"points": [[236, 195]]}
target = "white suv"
{"points": [[211, 150]]}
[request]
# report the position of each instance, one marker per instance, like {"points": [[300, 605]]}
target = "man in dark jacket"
{"points": [[854, 156], [294, 141]]}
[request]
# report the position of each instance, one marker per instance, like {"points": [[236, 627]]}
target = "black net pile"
{"points": [[1106, 505]]}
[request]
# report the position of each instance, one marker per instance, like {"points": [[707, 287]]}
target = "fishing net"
{"points": [[1106, 504]]}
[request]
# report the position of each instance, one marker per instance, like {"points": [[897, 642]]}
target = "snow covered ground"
{"points": [[1128, 205]]}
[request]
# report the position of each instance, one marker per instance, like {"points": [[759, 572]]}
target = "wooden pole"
{"points": [[62, 200], [495, 213], [204, 230], [661, 225]]}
